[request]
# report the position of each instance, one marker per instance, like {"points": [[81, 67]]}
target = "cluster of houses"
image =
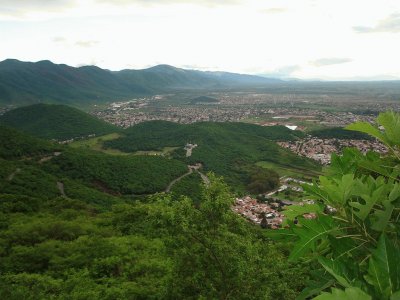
{"points": [[262, 214], [270, 213], [321, 149]]}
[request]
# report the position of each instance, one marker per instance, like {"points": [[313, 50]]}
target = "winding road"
{"points": [[191, 168]]}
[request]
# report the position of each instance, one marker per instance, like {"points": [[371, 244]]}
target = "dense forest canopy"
{"points": [[75, 241], [82, 224], [59, 122]]}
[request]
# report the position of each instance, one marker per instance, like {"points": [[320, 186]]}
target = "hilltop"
{"points": [[59, 122], [228, 149], [44, 81]]}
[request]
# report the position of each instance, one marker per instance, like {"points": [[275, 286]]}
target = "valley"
{"points": [[166, 181], [199, 150]]}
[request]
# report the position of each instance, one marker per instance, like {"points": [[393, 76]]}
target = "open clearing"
{"points": [[288, 171], [96, 143]]}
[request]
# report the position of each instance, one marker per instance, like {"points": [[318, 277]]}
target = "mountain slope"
{"points": [[63, 238], [26, 83], [58, 122], [43, 81], [16, 144], [228, 149]]}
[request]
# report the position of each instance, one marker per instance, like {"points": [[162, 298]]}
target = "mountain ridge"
{"points": [[23, 83]]}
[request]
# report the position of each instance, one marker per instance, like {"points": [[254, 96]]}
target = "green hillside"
{"points": [[228, 149], [33, 159], [59, 122], [117, 174], [16, 144], [67, 231]]}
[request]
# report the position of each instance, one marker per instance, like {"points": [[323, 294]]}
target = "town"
{"points": [[304, 110], [321, 149]]}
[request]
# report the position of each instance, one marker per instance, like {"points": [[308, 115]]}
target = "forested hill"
{"points": [[232, 150], [44, 81], [71, 229], [228, 149], [58, 122]]}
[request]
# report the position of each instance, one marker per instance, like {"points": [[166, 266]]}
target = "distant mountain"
{"points": [[53, 121], [43, 81]]}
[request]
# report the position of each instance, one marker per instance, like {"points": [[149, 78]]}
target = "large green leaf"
{"points": [[310, 232], [395, 296], [333, 191], [391, 122], [338, 270], [280, 234], [368, 129], [293, 211], [384, 268], [381, 217], [320, 281], [351, 293], [347, 163], [371, 192]]}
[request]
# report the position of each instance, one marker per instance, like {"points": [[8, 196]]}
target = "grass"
{"points": [[97, 144], [288, 171]]}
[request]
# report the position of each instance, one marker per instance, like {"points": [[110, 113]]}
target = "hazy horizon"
{"points": [[304, 39]]}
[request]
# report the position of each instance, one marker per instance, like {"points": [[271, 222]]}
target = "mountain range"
{"points": [[43, 81]]}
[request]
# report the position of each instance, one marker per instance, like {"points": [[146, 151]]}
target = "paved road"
{"points": [[177, 179]]}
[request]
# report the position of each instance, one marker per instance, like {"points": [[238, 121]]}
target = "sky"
{"points": [[305, 39]]}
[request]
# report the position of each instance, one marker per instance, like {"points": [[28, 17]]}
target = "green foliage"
{"points": [[384, 267], [15, 144], [189, 186], [262, 180], [165, 248], [358, 246], [228, 149], [43, 81], [65, 232], [351, 293], [390, 121], [339, 133], [59, 122], [117, 174]]}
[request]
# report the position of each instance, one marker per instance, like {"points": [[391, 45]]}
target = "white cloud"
{"points": [[20, 8], [302, 38], [274, 10], [389, 24], [58, 39], [330, 61], [86, 43]]}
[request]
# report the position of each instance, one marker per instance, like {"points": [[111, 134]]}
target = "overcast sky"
{"points": [[308, 39]]}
